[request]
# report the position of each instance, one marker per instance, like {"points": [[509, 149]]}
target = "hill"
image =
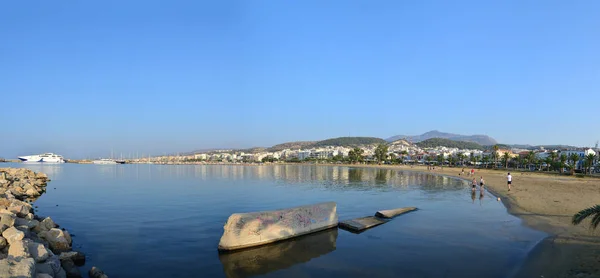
{"points": [[292, 145], [479, 139], [349, 141], [442, 142]]}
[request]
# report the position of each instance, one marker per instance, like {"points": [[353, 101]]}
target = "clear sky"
{"points": [[82, 78]]}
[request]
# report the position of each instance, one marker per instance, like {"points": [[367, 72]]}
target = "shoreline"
{"points": [[567, 250]]}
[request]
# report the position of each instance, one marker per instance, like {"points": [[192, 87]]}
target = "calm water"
{"points": [[166, 221]]}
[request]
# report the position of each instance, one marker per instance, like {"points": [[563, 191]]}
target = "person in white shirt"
{"points": [[509, 180]]}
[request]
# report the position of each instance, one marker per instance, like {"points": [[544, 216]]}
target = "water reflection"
{"points": [[331, 177], [277, 256]]}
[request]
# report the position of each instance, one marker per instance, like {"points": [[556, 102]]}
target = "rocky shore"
{"points": [[32, 246]]}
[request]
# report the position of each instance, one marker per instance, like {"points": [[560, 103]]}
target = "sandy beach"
{"points": [[545, 202]]}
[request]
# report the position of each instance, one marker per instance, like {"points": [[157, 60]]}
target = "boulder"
{"points": [[56, 239], [45, 225], [77, 257], [44, 268], [71, 270], [18, 250], [32, 192], [52, 267], [20, 210], [24, 229], [12, 234], [29, 216], [68, 237], [3, 242], [43, 275], [20, 268], [41, 176], [7, 219], [24, 222], [38, 251], [97, 273]]}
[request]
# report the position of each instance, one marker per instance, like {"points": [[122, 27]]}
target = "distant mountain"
{"points": [[441, 142], [479, 139]]}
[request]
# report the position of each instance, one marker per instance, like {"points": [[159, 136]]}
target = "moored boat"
{"points": [[42, 158]]}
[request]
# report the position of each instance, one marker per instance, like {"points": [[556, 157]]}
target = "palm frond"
{"points": [[595, 221], [583, 214]]}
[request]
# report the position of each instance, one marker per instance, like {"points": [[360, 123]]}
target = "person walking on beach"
{"points": [[474, 184], [509, 180], [472, 172], [481, 182]]}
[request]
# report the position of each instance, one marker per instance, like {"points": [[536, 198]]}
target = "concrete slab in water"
{"points": [[361, 224], [394, 212], [244, 230]]}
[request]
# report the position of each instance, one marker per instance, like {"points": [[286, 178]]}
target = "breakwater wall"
{"points": [[32, 246]]}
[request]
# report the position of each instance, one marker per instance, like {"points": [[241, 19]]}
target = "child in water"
{"points": [[474, 184]]}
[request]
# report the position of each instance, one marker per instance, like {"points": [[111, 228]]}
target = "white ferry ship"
{"points": [[43, 158]]}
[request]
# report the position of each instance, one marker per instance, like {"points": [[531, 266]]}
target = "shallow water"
{"points": [[166, 221]]}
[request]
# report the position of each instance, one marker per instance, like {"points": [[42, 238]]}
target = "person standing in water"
{"points": [[481, 182], [509, 180], [474, 184]]}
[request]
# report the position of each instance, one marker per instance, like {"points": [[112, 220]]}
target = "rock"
{"points": [[24, 229], [30, 216], [71, 270], [77, 257], [3, 228], [7, 219], [45, 225], [68, 237], [18, 249], [22, 268], [12, 234], [51, 266], [3, 243], [56, 239], [24, 222], [44, 268], [97, 273], [19, 210], [40, 175], [32, 192], [38, 251], [43, 275]]}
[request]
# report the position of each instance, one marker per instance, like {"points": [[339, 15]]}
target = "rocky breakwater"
{"points": [[31, 246]]}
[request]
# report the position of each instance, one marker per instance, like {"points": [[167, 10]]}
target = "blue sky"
{"points": [[84, 78]]}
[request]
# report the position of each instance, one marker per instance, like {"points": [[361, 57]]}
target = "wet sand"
{"points": [[545, 202]]}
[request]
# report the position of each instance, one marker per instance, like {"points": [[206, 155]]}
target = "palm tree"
{"points": [[485, 160], [574, 158], [495, 155], [428, 159], [553, 156], [592, 211], [440, 160], [589, 160], [531, 158], [548, 161], [506, 158], [460, 157], [563, 160], [392, 157]]}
